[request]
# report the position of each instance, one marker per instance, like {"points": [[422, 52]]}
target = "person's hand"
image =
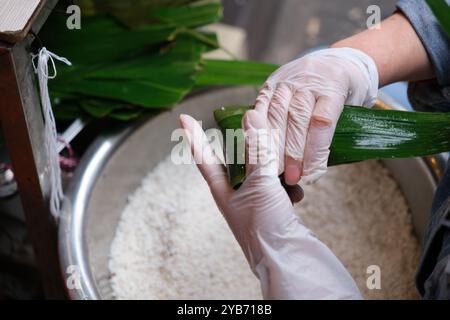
{"points": [[304, 100], [290, 262]]}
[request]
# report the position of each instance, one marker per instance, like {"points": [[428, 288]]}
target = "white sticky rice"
{"points": [[173, 243]]}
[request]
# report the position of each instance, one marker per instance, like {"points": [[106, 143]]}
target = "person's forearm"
{"points": [[396, 50]]}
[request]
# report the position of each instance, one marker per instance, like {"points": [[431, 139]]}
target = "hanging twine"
{"points": [[51, 135]]}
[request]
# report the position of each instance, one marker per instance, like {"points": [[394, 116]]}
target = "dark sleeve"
{"points": [[433, 37]]}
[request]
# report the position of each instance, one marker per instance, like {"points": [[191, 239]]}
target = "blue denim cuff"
{"points": [[433, 37]]}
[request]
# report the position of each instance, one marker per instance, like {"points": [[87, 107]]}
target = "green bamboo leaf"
{"points": [[141, 93], [101, 108], [100, 41], [158, 80], [126, 114], [137, 13], [363, 134], [190, 16], [68, 111], [231, 72], [207, 38], [166, 68], [441, 10]]}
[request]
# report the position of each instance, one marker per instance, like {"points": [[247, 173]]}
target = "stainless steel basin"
{"points": [[116, 163]]}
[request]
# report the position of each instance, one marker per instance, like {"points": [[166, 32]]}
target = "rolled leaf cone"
{"points": [[364, 134]]}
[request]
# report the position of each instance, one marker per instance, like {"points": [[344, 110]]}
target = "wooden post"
{"points": [[23, 128]]}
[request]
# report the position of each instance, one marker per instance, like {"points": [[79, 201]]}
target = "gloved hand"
{"points": [[290, 262], [304, 100]]}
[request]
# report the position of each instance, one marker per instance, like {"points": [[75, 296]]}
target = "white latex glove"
{"points": [[304, 100], [290, 262]]}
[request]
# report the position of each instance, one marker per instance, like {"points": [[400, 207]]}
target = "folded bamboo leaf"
{"points": [[231, 72], [441, 9], [231, 118], [364, 134]]}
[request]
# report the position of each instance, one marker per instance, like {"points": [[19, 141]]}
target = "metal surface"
{"points": [[115, 165], [72, 242]]}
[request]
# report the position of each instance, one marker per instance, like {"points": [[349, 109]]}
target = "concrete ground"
{"points": [[278, 30]]}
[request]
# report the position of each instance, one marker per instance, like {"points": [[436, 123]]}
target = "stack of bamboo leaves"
{"points": [[132, 56]]}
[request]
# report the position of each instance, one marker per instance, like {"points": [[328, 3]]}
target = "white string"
{"points": [[51, 135]]}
